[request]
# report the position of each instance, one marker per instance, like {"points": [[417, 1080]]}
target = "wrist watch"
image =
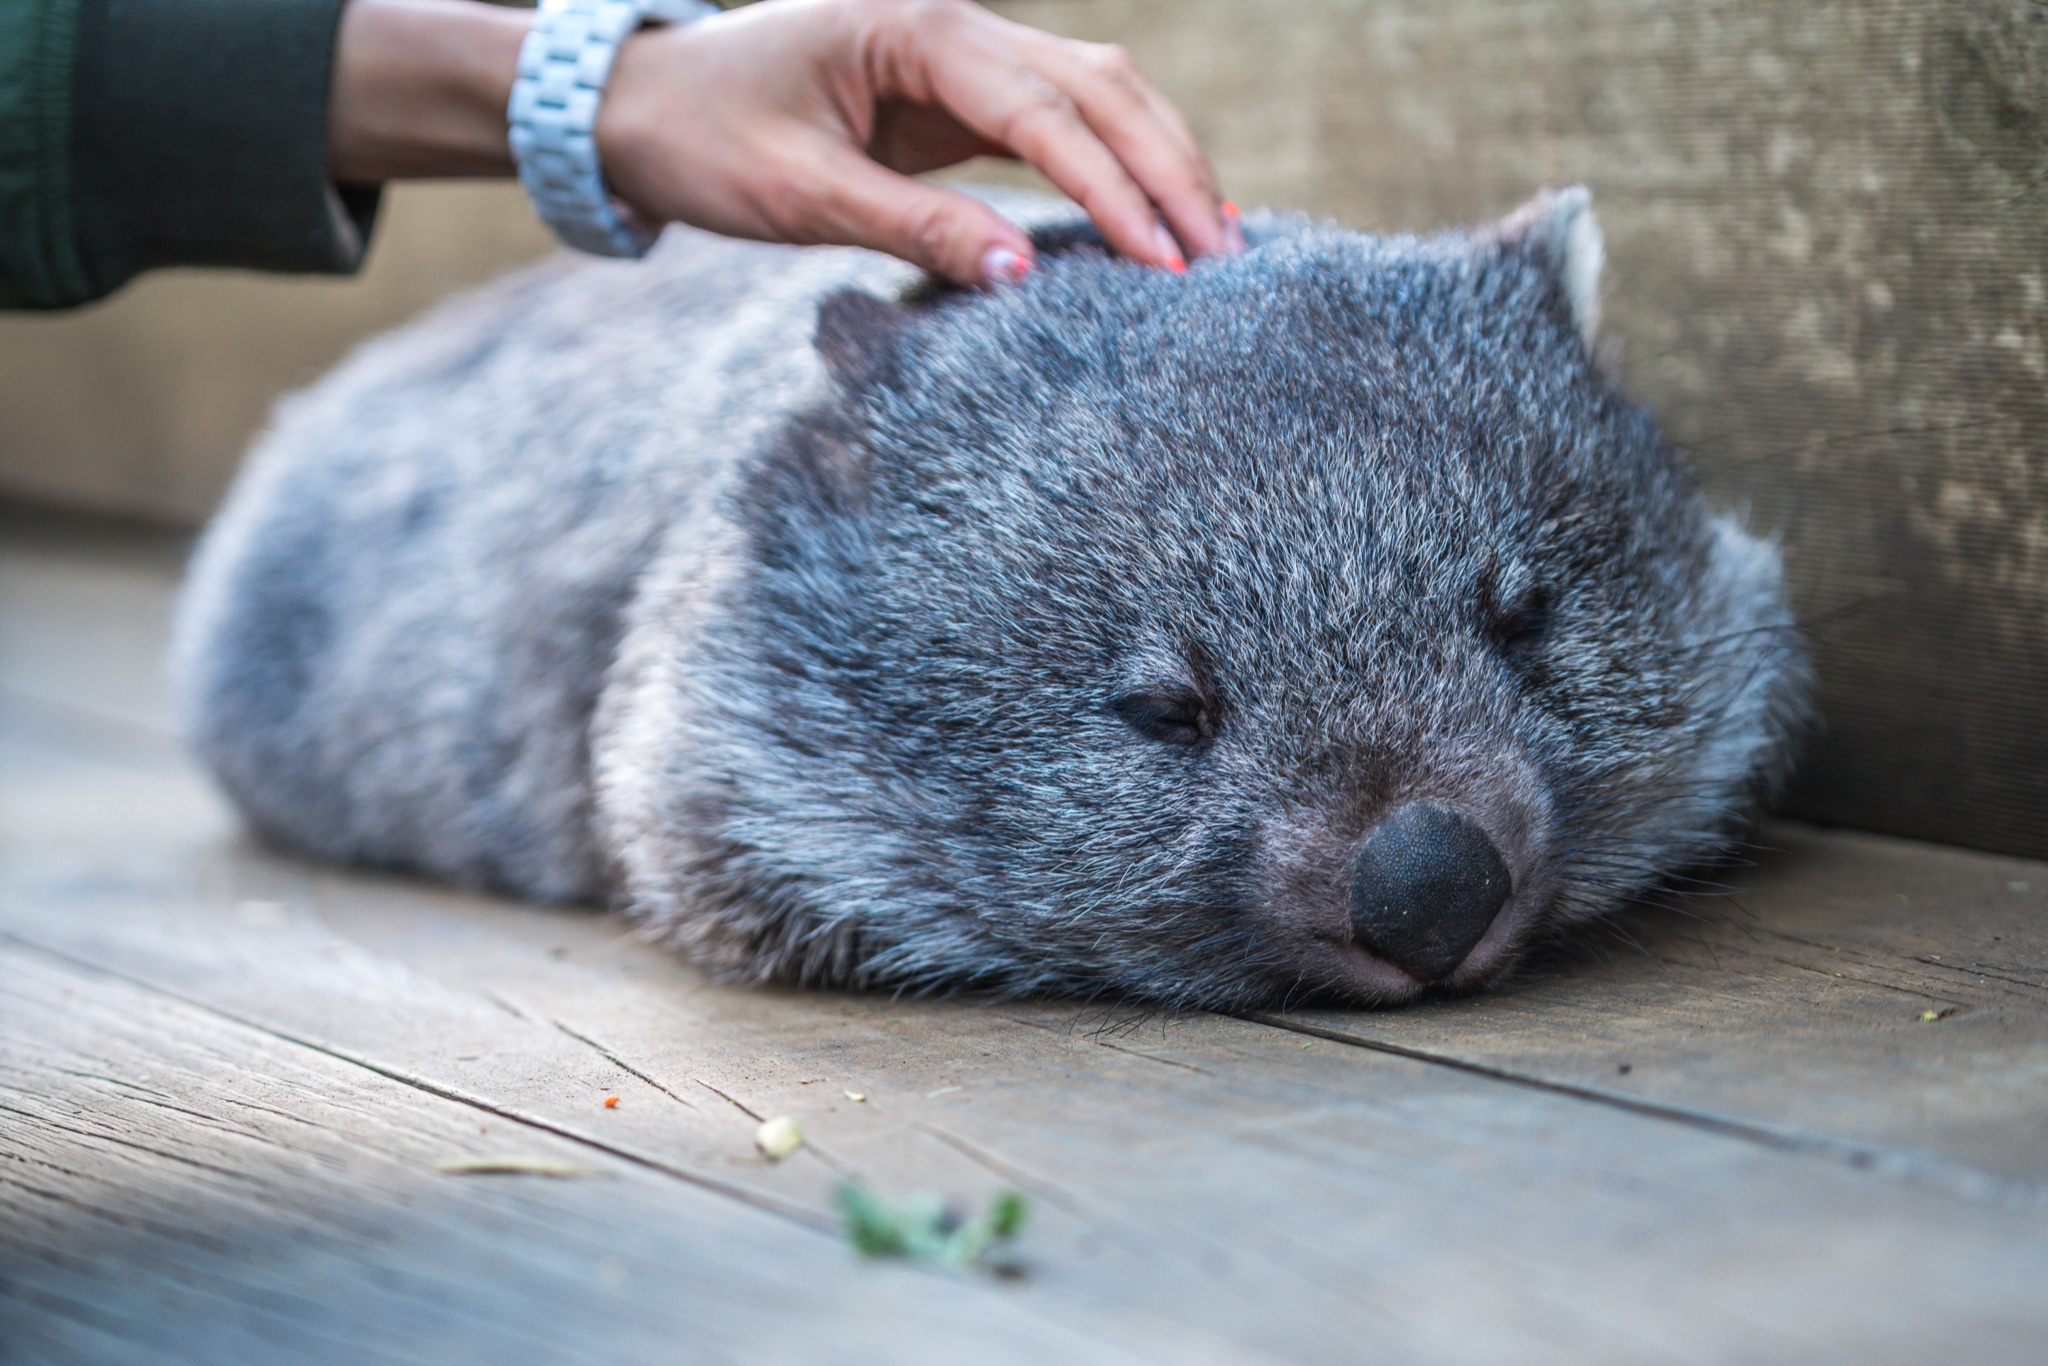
{"points": [[564, 63]]}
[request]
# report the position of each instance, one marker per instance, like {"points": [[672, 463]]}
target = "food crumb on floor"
{"points": [[778, 1138]]}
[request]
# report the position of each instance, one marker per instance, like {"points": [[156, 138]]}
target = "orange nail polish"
{"points": [[1233, 229], [1001, 266], [1169, 250]]}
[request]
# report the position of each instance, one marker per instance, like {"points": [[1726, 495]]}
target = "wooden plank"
{"points": [[1825, 239], [178, 1187], [1204, 1187], [1801, 1007], [1206, 1173]]}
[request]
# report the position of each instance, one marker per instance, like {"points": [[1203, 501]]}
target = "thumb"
{"points": [[944, 231]]}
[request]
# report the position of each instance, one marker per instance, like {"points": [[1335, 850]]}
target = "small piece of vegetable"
{"points": [[923, 1228], [1930, 1016], [778, 1138], [510, 1164], [855, 1095], [611, 1102]]}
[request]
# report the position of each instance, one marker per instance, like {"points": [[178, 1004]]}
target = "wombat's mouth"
{"points": [[1365, 977], [1429, 900], [1348, 971]]}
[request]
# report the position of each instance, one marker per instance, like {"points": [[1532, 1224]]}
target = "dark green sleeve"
{"points": [[173, 132], [40, 266]]}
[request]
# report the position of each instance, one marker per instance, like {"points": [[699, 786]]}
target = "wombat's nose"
{"points": [[1425, 887]]}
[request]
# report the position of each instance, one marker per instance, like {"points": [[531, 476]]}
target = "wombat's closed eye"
{"points": [[1173, 714], [1318, 623]]}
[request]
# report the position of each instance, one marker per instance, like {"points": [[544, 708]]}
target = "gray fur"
{"points": [[599, 583]]}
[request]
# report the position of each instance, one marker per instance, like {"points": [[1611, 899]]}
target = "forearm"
{"points": [[420, 88], [254, 133], [798, 121]]}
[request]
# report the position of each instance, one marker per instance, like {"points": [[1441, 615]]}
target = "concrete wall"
{"points": [[1828, 235], [142, 404]]}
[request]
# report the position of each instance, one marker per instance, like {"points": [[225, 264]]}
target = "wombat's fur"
{"points": [[1087, 636]]}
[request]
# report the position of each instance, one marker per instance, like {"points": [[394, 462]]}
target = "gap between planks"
{"points": [[1910, 1168]]}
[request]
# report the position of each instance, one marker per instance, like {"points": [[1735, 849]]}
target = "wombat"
{"points": [[1317, 624]]}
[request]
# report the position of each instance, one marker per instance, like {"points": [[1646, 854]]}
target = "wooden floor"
{"points": [[226, 1078]]}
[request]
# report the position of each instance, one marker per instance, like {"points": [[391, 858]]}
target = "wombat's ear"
{"points": [[858, 337], [1559, 226]]}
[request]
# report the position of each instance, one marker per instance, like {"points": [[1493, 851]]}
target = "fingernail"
{"points": [[1233, 228], [1169, 251], [1001, 266]]}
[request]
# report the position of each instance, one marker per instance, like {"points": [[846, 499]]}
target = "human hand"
{"points": [[802, 121]]}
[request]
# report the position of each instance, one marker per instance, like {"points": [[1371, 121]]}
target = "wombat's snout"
{"points": [[1424, 889]]}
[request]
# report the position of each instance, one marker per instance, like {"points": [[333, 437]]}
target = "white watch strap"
{"points": [[564, 63]]}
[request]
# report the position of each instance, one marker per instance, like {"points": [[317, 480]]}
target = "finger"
{"points": [[847, 198], [1008, 103], [1043, 49], [916, 138], [1145, 133]]}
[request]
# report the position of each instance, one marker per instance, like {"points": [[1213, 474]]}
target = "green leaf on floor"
{"points": [[924, 1228]]}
